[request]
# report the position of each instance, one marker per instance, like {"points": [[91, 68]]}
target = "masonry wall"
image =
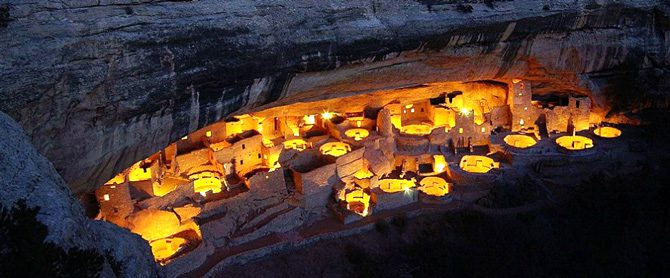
{"points": [[418, 113], [119, 205], [576, 113], [524, 114], [467, 133], [316, 185], [247, 154]]}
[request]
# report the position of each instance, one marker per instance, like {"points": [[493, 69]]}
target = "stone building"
{"points": [[524, 113], [575, 115], [466, 133], [115, 201], [246, 152]]}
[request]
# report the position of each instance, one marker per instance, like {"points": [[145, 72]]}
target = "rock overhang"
{"points": [[132, 83]]}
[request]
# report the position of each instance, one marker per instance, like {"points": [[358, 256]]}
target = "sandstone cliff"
{"points": [[100, 84], [26, 175]]}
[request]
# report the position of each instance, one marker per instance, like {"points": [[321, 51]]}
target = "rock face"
{"points": [[98, 85], [25, 174]]}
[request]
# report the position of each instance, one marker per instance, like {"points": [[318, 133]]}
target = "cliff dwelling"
{"points": [[349, 158], [313, 138]]}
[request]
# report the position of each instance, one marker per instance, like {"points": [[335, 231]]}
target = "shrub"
{"points": [[24, 253]]}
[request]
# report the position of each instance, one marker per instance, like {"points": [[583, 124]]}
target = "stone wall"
{"points": [[153, 71], [26, 175]]}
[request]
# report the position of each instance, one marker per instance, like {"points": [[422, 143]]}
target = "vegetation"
{"points": [[608, 226], [23, 252]]}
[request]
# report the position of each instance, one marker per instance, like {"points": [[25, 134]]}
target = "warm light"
{"points": [[106, 197], [295, 144], [138, 173], [208, 133], [165, 248], [309, 119], [411, 110], [465, 111], [395, 185], [267, 143], [434, 186], [158, 227], [607, 132], [335, 149], [521, 122], [417, 129], [516, 80], [118, 179], [363, 174], [327, 115], [219, 146], [185, 137], [275, 166], [460, 130], [358, 202], [204, 194], [358, 123], [478, 164], [161, 188], [357, 133], [206, 181], [519, 141], [440, 163], [483, 130], [525, 109], [574, 142], [154, 224]]}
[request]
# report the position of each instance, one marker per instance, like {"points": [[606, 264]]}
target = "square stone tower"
{"points": [[524, 114]]}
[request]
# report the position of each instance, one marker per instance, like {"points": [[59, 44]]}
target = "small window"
{"points": [[244, 146], [411, 110], [241, 162], [460, 130], [421, 109], [577, 104], [208, 133], [483, 130], [106, 197], [259, 155]]}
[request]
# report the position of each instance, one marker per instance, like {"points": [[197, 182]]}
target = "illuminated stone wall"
{"points": [[247, 154], [524, 113]]}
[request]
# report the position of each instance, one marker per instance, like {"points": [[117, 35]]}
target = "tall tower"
{"points": [[524, 113]]}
